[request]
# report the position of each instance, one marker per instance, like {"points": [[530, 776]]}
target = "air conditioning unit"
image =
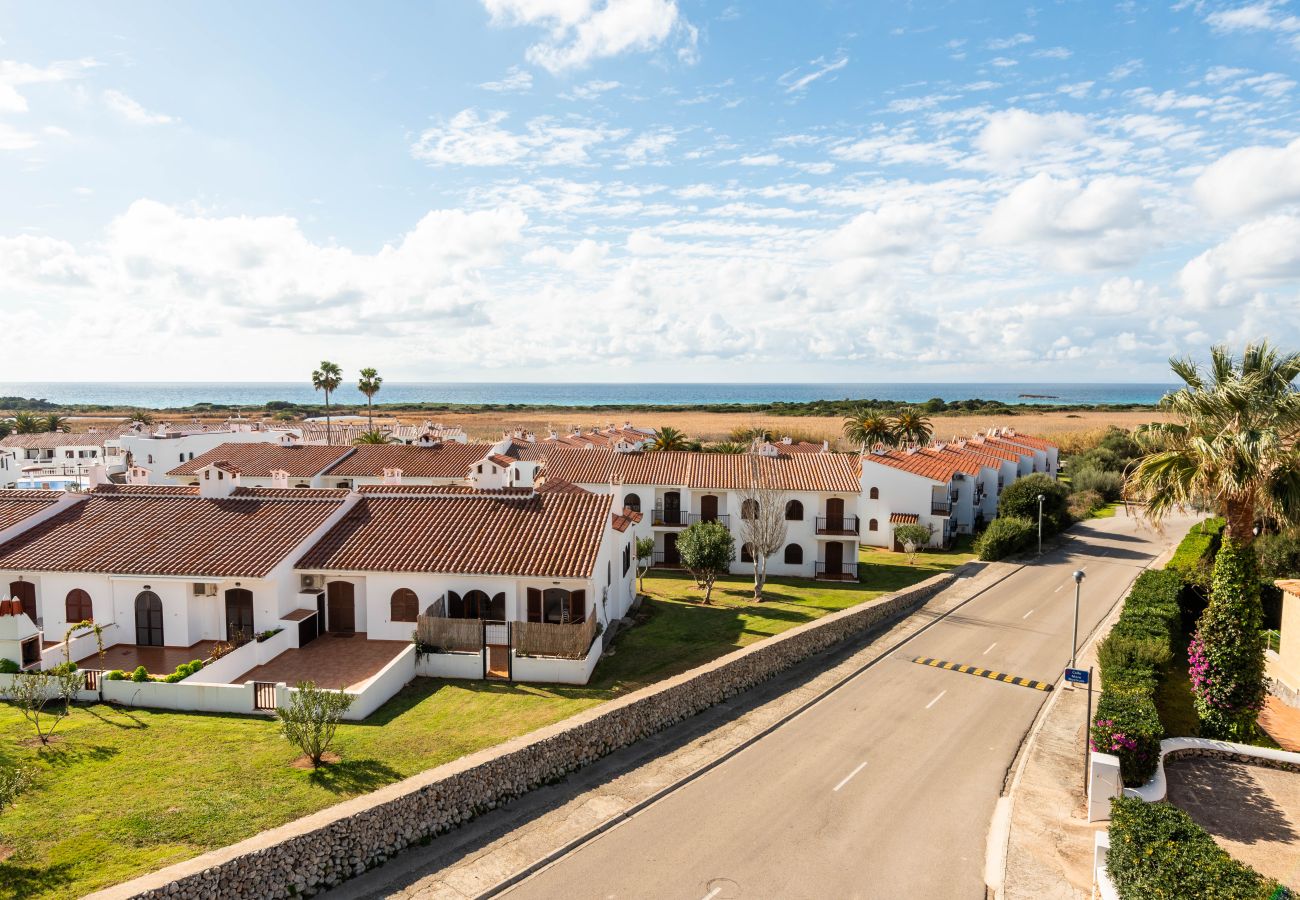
{"points": [[311, 582], [202, 589]]}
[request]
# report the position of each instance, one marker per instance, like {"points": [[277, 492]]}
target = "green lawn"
{"points": [[126, 791]]}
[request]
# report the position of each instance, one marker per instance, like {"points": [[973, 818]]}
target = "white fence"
{"points": [[556, 669], [382, 686], [450, 665], [246, 657]]}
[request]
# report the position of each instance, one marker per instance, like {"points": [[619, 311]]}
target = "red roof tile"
{"points": [[15, 506], [449, 459], [826, 472], [934, 468], [169, 535], [259, 460], [553, 535]]}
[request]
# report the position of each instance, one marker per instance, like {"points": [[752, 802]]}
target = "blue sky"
{"points": [[645, 190]]}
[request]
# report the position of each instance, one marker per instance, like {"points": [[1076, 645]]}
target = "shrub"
{"points": [[1195, 554], [1003, 536], [1110, 485], [45, 698], [707, 550], [8, 666], [13, 781], [1082, 503], [1278, 555], [1020, 499], [1128, 725], [114, 675], [1132, 663], [140, 675], [1226, 655], [312, 717], [1158, 853]]}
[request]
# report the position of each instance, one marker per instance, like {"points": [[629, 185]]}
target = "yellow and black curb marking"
{"points": [[983, 673]]}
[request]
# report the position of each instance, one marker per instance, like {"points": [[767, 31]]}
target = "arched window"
{"points": [[455, 606], [476, 605], [793, 554], [557, 606], [794, 511], [749, 509], [873, 525], [404, 606], [633, 502], [875, 493], [497, 608], [78, 607], [747, 552]]}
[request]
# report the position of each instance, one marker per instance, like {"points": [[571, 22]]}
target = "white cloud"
{"points": [[1013, 135], [1003, 62], [649, 147], [1007, 43], [585, 258], [14, 75], [590, 90], [1266, 16], [516, 80], [473, 139], [1124, 70], [892, 229], [761, 159], [132, 111], [1251, 180], [1257, 256], [797, 80], [582, 31], [1053, 53]]}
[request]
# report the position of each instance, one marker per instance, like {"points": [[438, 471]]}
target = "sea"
{"points": [[169, 395]]}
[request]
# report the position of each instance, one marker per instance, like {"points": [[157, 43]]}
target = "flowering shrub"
{"points": [[1128, 726]]}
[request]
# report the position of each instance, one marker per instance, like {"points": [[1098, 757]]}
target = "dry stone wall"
{"points": [[326, 848]]}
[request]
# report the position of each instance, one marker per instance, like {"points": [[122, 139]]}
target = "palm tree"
{"points": [[1234, 444], [727, 447], [369, 385], [55, 422], [373, 437], [870, 429], [669, 438], [912, 427], [26, 423], [141, 417], [327, 378]]}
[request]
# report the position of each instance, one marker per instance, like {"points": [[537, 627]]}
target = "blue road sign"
{"points": [[1076, 676]]}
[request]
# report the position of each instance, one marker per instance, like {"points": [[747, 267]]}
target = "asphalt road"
{"points": [[885, 788]]}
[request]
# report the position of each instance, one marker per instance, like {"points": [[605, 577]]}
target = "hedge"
{"points": [[1158, 853], [1194, 557], [1003, 536], [1127, 724]]}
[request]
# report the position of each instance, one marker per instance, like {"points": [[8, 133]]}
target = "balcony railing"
{"points": [[671, 518], [717, 517], [837, 525], [940, 508], [837, 571]]}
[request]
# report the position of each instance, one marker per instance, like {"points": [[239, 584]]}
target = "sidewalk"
{"points": [[494, 847]]}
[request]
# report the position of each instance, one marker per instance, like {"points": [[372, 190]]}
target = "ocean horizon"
{"points": [[167, 395]]}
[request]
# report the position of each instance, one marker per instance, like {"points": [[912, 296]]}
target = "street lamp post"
{"points": [[1074, 640], [1040, 524]]}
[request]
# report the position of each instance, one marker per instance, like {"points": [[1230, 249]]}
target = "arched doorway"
{"points": [[26, 592], [148, 619], [239, 616], [341, 607], [77, 607], [834, 514], [709, 508]]}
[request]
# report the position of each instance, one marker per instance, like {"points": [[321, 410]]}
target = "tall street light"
{"points": [[1074, 640], [1040, 524]]}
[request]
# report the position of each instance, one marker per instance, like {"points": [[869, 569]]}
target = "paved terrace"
{"points": [[335, 661], [156, 660]]}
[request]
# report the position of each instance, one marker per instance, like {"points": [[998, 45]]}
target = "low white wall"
{"points": [[229, 667], [1154, 790], [182, 695], [450, 665], [6, 681], [382, 686], [553, 669], [84, 644]]}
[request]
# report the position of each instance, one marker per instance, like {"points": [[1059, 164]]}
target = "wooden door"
{"points": [[835, 558], [148, 620], [498, 663], [671, 556], [708, 508], [835, 514], [26, 592], [340, 601], [672, 508], [239, 616]]}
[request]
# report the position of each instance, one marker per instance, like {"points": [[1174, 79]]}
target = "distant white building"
{"points": [[159, 449]]}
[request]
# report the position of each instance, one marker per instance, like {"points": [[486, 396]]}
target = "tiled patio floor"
{"points": [[156, 660], [331, 661]]}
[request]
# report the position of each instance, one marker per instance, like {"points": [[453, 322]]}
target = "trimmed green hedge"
{"points": [[1158, 853], [1127, 724], [1005, 535], [1194, 558]]}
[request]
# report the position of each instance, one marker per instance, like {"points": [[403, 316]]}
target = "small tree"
{"points": [[312, 717], [45, 698], [13, 781], [914, 536], [645, 554], [1226, 654], [762, 523], [707, 551], [1020, 499]]}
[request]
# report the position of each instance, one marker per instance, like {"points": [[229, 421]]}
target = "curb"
{"points": [[639, 806]]}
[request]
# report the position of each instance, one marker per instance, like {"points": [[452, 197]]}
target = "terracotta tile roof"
{"points": [[1290, 585], [926, 465], [448, 459], [545, 535], [560, 486], [258, 460], [1028, 440], [290, 493], [1012, 444], [522, 450], [442, 490], [502, 460], [48, 440], [979, 445], [148, 490], [800, 447], [18, 505], [831, 473], [903, 518], [962, 462], [168, 535]]}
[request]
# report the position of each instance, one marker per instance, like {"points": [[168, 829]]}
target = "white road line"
{"points": [[713, 893], [936, 699], [846, 780], [1028, 614], [1058, 590], [991, 646]]}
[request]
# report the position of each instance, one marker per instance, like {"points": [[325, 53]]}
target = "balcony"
{"points": [[837, 571], [837, 525], [940, 508], [700, 517], [659, 561], [669, 518]]}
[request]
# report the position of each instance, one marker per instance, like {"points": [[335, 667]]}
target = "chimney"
{"points": [[97, 475], [279, 479], [137, 475], [217, 480], [826, 446], [392, 476], [787, 440]]}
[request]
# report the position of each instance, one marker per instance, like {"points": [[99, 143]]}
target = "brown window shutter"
{"points": [[534, 605], [578, 607]]}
